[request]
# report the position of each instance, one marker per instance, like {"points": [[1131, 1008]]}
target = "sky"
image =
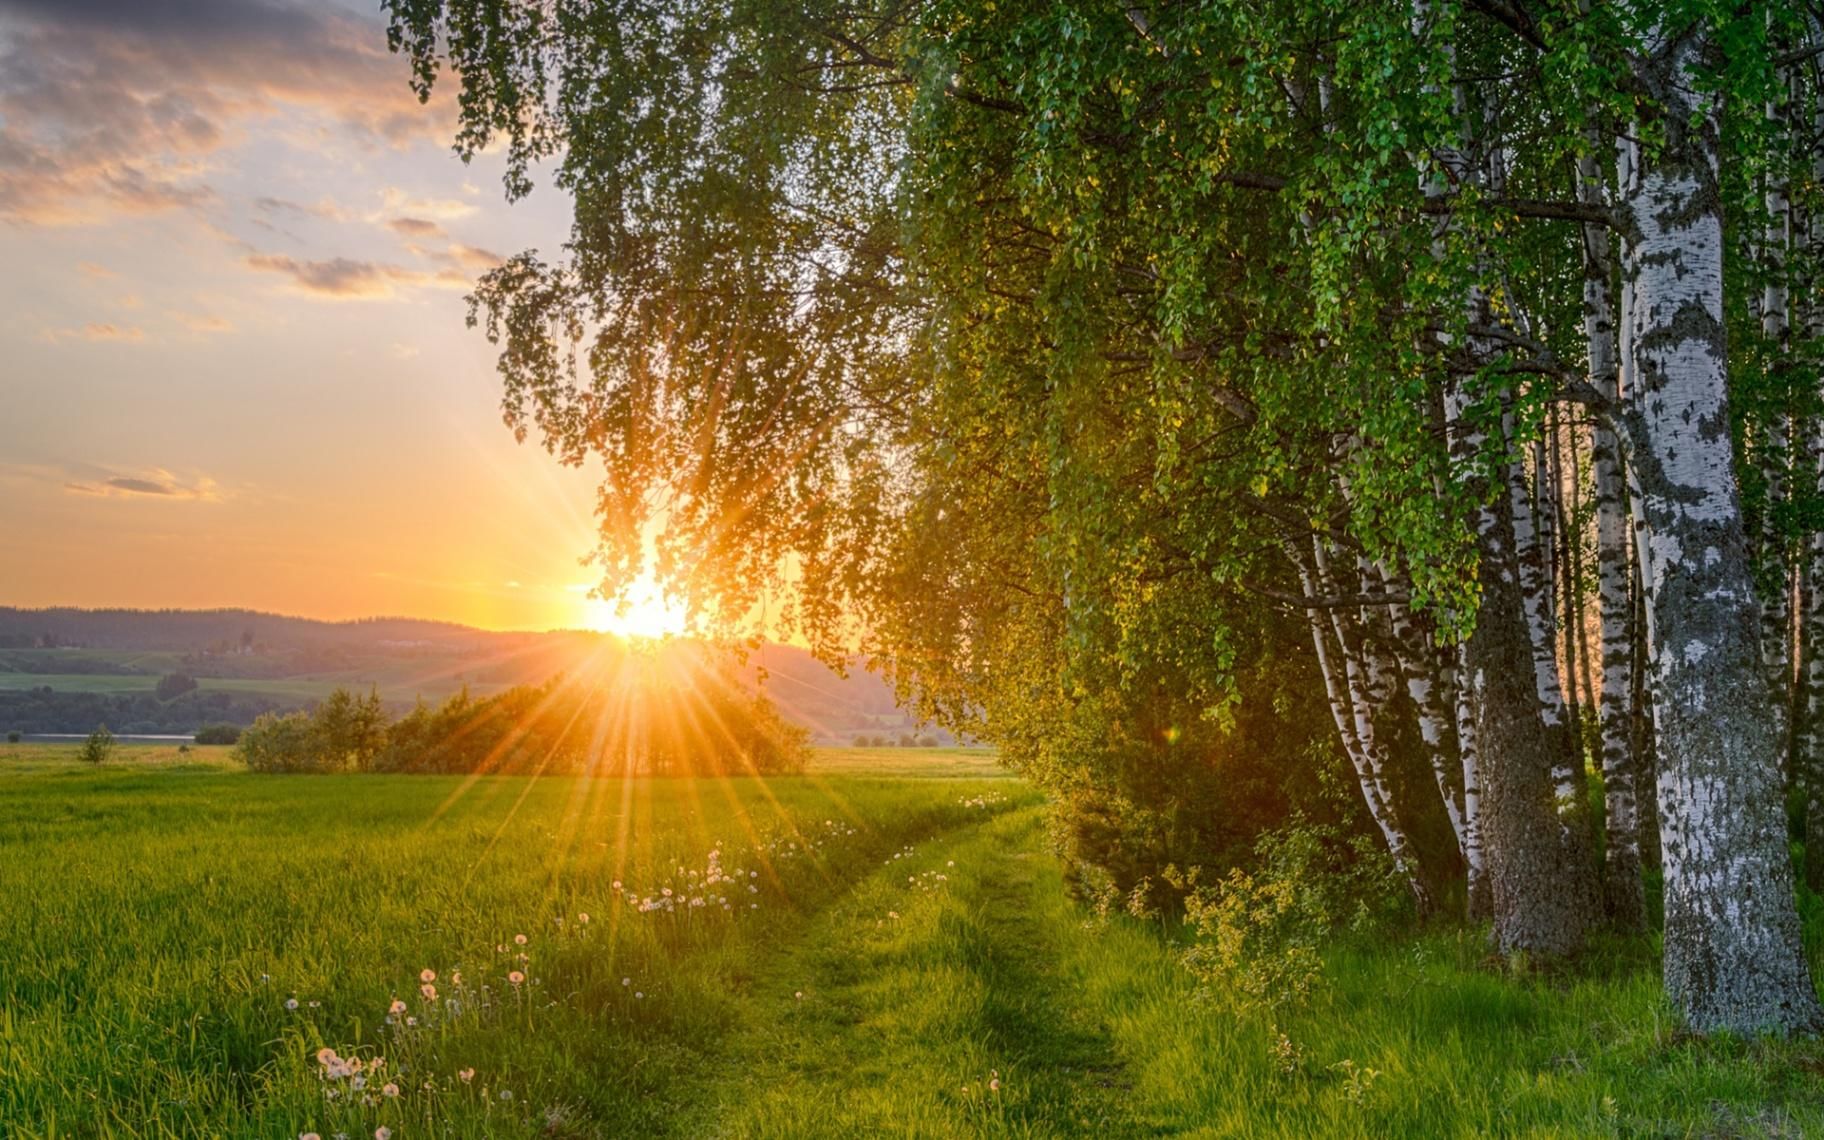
{"points": [[234, 369]]}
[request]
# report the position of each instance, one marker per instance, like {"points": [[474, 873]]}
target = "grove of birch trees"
{"points": [[1424, 393]]}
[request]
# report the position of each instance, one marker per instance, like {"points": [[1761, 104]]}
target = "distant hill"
{"points": [[247, 662]]}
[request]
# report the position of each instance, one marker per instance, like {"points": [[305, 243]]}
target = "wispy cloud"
{"points": [[114, 106], [415, 228], [348, 278], [152, 483], [202, 322], [96, 330]]}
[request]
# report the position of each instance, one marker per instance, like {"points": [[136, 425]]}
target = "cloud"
{"points": [[96, 330], [469, 257], [444, 209], [327, 208], [154, 482], [202, 323], [347, 278], [90, 269], [415, 227], [116, 106]]}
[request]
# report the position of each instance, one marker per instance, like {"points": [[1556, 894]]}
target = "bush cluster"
{"points": [[710, 726]]}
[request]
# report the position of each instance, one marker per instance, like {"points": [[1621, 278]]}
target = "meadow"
{"points": [[882, 947]]}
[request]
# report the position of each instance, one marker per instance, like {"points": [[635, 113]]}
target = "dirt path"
{"points": [[944, 972]]}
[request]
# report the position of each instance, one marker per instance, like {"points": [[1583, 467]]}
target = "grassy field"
{"points": [[897, 957]]}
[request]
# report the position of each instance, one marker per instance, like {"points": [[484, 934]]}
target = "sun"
{"points": [[643, 612]]}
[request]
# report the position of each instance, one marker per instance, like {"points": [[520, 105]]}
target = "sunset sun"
{"points": [[642, 612]]}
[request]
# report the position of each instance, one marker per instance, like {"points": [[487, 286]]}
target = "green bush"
{"points": [[12, 737], [99, 746], [1260, 934], [218, 734], [174, 685]]}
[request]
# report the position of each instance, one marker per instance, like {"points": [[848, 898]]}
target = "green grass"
{"points": [[287, 690], [160, 911]]}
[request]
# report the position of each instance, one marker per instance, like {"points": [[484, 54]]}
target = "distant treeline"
{"points": [[706, 725], [44, 709]]}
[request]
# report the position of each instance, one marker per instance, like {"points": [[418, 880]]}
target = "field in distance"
{"points": [[882, 947]]}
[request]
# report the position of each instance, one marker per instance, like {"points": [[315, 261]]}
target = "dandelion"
{"points": [[383, 1133], [583, 918], [427, 975], [291, 1003], [516, 977], [357, 1082], [617, 884], [637, 994], [455, 977], [519, 939], [465, 1075], [326, 1056], [411, 1023], [506, 1094], [389, 1089], [799, 996], [500, 948], [626, 981], [429, 991], [309, 1136], [994, 1082], [397, 1007]]}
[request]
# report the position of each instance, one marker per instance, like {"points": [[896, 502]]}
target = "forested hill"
{"points": [[107, 664]]}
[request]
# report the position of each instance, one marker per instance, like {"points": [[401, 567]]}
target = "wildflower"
{"points": [[383, 1133], [455, 977], [626, 981], [291, 1003], [429, 991], [506, 1094], [309, 1136], [500, 948], [519, 939], [389, 1089], [617, 884], [583, 918], [427, 975], [516, 977], [994, 1082], [326, 1056], [638, 994], [799, 995], [465, 1075], [315, 1004], [357, 1082], [397, 1006], [411, 1023]]}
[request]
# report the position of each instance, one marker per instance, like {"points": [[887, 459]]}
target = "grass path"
{"points": [[945, 971]]}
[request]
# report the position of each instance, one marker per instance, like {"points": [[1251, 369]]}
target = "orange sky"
{"points": [[233, 364]]}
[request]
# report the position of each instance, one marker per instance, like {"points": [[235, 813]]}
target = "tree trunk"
{"points": [[1733, 958], [1355, 728], [1479, 902], [1541, 894], [1623, 889]]}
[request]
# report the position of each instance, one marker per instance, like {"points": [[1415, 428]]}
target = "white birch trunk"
{"points": [[1733, 957], [1623, 889], [1354, 726]]}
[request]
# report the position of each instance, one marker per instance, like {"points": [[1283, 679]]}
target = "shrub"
{"points": [[279, 744], [99, 746], [174, 685], [218, 734], [12, 737], [1260, 935]]}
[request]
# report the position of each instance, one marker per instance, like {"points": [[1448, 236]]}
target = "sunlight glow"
{"points": [[641, 612]]}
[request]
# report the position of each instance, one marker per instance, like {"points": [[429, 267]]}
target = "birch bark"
{"points": [[1733, 958]]}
